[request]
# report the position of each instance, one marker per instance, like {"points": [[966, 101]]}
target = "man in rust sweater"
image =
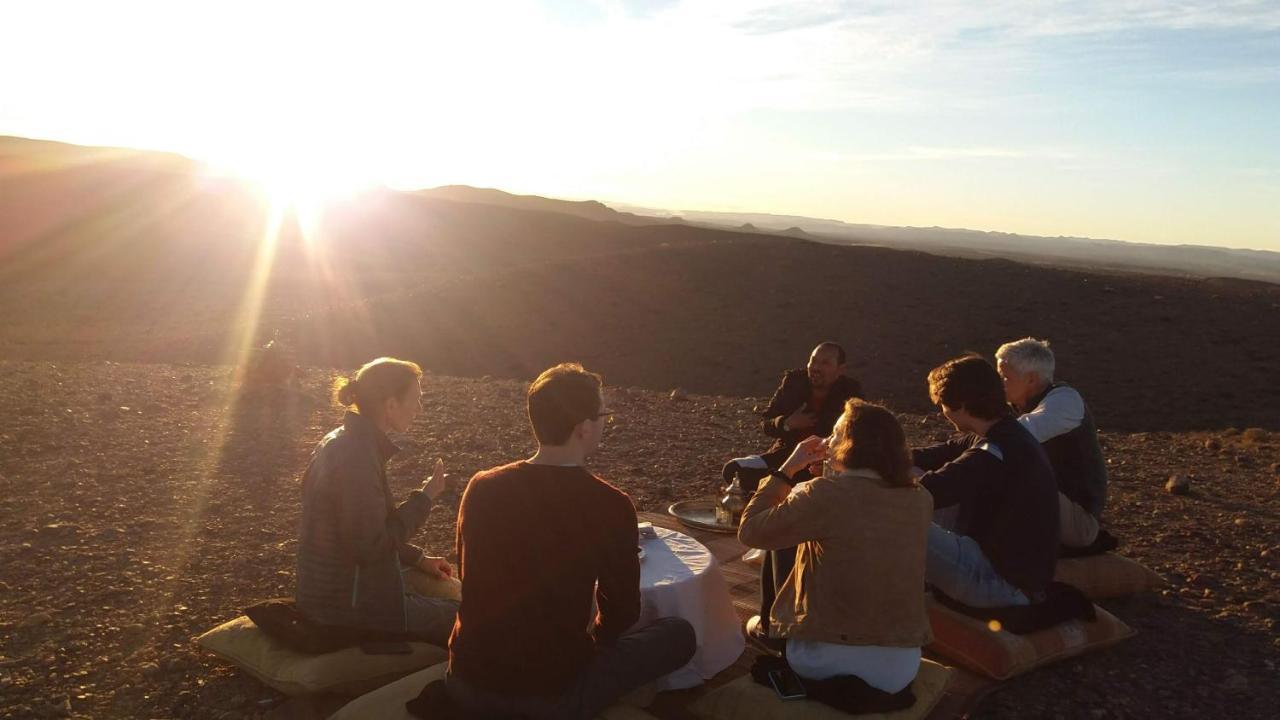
{"points": [[537, 540]]}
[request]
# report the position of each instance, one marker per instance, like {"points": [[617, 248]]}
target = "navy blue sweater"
{"points": [[1007, 495]]}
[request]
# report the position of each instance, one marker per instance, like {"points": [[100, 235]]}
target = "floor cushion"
{"points": [[746, 699], [1107, 575], [1000, 654], [348, 671], [387, 702]]}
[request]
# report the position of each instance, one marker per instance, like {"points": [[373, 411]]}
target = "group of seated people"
{"points": [[982, 518], [546, 550]]}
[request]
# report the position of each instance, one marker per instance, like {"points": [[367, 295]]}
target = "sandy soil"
{"points": [[147, 503]]}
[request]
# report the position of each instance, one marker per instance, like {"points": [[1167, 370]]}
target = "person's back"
{"points": [[328, 569], [1010, 512], [538, 540], [853, 604], [1057, 416], [1004, 546], [353, 539], [533, 541], [1075, 454]]}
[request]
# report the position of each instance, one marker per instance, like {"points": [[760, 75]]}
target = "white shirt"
{"points": [[1061, 411], [884, 668]]}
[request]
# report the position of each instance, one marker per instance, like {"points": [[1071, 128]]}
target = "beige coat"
{"points": [[859, 574]]}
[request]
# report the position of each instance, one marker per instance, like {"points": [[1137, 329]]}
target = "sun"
{"points": [[299, 180]]}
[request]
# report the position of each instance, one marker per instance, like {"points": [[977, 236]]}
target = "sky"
{"points": [[1123, 119]]}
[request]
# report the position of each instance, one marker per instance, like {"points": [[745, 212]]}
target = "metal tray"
{"points": [[700, 514]]}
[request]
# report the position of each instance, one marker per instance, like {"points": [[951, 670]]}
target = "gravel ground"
{"points": [[144, 504]]}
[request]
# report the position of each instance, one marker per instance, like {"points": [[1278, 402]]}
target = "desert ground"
{"points": [[146, 503], [150, 494]]}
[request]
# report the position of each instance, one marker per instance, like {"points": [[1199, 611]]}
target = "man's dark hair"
{"points": [[971, 384], [559, 399], [830, 345]]}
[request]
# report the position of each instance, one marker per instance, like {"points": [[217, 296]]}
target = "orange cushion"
{"points": [[1107, 575], [1000, 654]]}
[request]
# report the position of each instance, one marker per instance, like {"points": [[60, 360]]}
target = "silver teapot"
{"points": [[729, 508]]}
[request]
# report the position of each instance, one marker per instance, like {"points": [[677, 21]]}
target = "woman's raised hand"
{"points": [[810, 450], [437, 483]]}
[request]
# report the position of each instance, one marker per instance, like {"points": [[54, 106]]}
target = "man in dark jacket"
{"points": [[807, 402], [1057, 416], [1005, 543]]}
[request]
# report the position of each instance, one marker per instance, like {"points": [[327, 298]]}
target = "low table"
{"points": [[680, 577]]}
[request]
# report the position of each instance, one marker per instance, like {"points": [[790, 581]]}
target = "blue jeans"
{"points": [[430, 619], [957, 566]]}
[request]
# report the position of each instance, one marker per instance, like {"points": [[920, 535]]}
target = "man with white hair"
{"points": [[1056, 415]]}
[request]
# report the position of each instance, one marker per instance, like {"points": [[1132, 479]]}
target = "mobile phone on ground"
{"points": [[386, 648], [787, 684]]}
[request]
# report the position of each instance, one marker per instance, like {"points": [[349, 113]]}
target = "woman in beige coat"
{"points": [[854, 604]]}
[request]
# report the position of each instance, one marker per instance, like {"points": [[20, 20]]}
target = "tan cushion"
{"points": [[420, 583], [387, 702], [746, 699], [1107, 575], [348, 671], [1001, 654]]}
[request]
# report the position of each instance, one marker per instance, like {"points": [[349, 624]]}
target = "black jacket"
{"points": [[793, 394], [1008, 499]]}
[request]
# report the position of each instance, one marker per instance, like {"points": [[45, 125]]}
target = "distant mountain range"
{"points": [[1075, 252], [109, 254]]}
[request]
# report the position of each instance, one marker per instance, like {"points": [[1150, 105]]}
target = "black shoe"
{"points": [[758, 634]]}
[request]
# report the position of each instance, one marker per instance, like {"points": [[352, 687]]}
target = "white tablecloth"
{"points": [[679, 577]]}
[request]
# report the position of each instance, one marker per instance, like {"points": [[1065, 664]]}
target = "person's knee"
{"points": [[682, 638]]}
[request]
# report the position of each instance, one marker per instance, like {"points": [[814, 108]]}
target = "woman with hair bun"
{"points": [[354, 540], [854, 604]]}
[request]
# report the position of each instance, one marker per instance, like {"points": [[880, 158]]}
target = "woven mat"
{"points": [[964, 691]]}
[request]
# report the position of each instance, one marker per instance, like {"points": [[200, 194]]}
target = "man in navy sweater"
{"points": [[1004, 546]]}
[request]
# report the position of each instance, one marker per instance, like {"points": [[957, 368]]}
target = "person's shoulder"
{"points": [[795, 375], [848, 386], [499, 473], [342, 444], [1062, 390], [609, 493]]}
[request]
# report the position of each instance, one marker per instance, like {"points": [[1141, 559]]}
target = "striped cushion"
{"points": [[348, 671], [387, 702], [1107, 575], [1000, 654], [746, 699]]}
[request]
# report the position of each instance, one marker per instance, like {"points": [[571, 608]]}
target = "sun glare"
{"points": [[301, 181]]}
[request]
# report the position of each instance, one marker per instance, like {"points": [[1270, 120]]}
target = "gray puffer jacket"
{"points": [[353, 538]]}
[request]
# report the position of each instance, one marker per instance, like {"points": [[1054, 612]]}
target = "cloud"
{"points": [[966, 152]]}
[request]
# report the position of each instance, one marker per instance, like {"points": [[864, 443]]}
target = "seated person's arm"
{"points": [[365, 526], [935, 456], [954, 481], [775, 516], [1061, 412], [410, 554], [618, 586], [783, 403]]}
